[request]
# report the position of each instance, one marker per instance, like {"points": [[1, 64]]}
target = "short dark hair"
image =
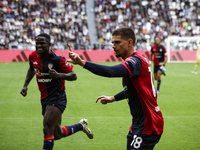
{"points": [[45, 35], [157, 36], [126, 33]]}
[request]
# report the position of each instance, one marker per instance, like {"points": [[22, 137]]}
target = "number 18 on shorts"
{"points": [[142, 142]]}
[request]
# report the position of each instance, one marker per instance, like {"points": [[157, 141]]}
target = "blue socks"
{"points": [[48, 142], [69, 130]]}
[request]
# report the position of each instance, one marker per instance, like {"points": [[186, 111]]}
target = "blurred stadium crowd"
{"points": [[66, 21]]}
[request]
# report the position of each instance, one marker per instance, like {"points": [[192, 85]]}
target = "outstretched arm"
{"points": [[101, 70], [29, 76]]}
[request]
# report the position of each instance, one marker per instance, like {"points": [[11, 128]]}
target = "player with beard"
{"points": [[51, 72], [139, 89]]}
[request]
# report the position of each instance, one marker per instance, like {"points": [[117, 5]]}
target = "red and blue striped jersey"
{"points": [[159, 54], [49, 87]]}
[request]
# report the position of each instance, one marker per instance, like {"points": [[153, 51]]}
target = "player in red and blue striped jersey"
{"points": [[159, 56], [139, 90], [51, 72]]}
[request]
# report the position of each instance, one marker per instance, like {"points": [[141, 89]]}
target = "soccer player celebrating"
{"points": [[139, 89], [51, 72], [160, 59], [197, 59]]}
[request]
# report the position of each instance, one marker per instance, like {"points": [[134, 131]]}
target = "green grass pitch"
{"points": [[21, 119]]}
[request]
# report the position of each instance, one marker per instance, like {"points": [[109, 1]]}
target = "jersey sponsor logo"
{"points": [[157, 108], [45, 74], [157, 55], [44, 80], [38, 73], [50, 65], [35, 63]]}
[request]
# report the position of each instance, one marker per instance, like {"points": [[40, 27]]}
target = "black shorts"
{"points": [[58, 101], [141, 141], [156, 68]]}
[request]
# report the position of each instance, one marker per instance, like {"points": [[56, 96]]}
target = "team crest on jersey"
{"points": [[161, 50], [50, 66]]}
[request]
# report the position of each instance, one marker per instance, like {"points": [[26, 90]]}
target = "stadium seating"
{"points": [[66, 21]]}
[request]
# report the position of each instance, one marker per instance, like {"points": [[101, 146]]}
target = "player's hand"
{"points": [[75, 58], [53, 73], [24, 91], [161, 64], [105, 99]]}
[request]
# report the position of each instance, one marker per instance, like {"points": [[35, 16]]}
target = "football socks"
{"points": [[158, 84], [69, 130], [48, 142]]}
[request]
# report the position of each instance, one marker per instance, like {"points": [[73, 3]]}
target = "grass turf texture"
{"points": [[21, 119]]}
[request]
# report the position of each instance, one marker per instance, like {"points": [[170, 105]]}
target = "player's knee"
{"points": [[47, 129], [155, 77], [57, 136], [58, 133]]}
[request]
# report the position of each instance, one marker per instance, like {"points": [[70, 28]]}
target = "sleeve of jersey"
{"points": [[64, 66], [106, 71], [134, 67], [119, 96]]}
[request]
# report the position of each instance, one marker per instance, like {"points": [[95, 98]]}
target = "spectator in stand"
{"points": [[176, 18], [36, 17], [146, 14]]}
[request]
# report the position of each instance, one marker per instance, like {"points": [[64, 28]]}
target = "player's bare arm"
{"points": [[105, 99], [29, 76], [74, 58], [67, 76]]}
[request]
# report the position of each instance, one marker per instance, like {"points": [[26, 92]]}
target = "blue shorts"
{"points": [[142, 141], [58, 101]]}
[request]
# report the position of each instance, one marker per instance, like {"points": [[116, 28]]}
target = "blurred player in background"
{"points": [[51, 72], [139, 89], [159, 56], [198, 57]]}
